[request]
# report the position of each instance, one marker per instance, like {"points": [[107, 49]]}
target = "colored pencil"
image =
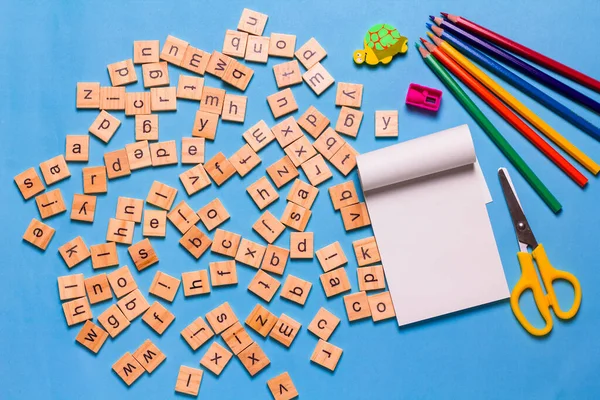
{"points": [[522, 110], [505, 112], [496, 137], [520, 65], [524, 51], [519, 82]]}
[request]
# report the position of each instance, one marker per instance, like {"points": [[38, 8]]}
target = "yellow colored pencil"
{"points": [[521, 109]]}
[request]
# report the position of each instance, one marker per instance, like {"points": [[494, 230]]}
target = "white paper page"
{"points": [[433, 231]]}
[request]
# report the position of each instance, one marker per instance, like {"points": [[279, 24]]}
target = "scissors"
{"points": [[529, 279]]}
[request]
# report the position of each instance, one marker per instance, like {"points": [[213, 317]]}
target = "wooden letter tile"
{"points": [[74, 252], [83, 208], [296, 289], [164, 98], [149, 356], [212, 100], [77, 311], [357, 306], [128, 369], [287, 74], [71, 286], [300, 151], [216, 358], [234, 108], [138, 103], [113, 320], [329, 143], [50, 203], [282, 103], [258, 136], [310, 53], [122, 282], [225, 243], [244, 160], [188, 380], [55, 170], [122, 73], [173, 50], [195, 60], [286, 132], [282, 387], [268, 227], [349, 121], [218, 63], [238, 75], [164, 286], [250, 253], [97, 288], [190, 87], [236, 338], [112, 98], [275, 259], [94, 180], [195, 283], [133, 305], [192, 150], [194, 179], [262, 192], [254, 359], [344, 159], [301, 245], [326, 355], [213, 214], [129, 209], [197, 333], [146, 51], [282, 45], [155, 223], [163, 153], [313, 122], [104, 255], [264, 285], [146, 127], [252, 22], [285, 330], [355, 216], [161, 195], [29, 183], [219, 168], [77, 148], [38, 234], [91, 336], [323, 324], [221, 318], [257, 49], [381, 306], [316, 170], [142, 254], [105, 125], [155, 74], [205, 125], [195, 241], [366, 251], [331, 257], [261, 320], [349, 94], [223, 273], [117, 164], [318, 78], [120, 231], [282, 171], [371, 278], [234, 44], [183, 217], [343, 194], [295, 216], [335, 282], [386, 123], [88, 95], [302, 194]]}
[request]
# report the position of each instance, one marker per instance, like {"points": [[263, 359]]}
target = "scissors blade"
{"points": [[524, 234]]}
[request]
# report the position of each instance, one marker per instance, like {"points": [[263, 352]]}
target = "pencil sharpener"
{"points": [[423, 97]]}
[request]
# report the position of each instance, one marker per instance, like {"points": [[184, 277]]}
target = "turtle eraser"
{"points": [[423, 97]]}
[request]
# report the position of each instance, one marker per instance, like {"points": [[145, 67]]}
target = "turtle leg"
{"points": [[386, 60]]}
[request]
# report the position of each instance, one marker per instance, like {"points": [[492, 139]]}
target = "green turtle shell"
{"points": [[382, 37]]}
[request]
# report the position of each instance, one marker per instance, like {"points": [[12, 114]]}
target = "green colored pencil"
{"points": [[491, 131]]}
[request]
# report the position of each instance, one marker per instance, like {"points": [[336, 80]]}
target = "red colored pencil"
{"points": [[505, 112], [524, 51]]}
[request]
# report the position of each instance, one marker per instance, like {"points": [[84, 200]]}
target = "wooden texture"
{"points": [[105, 125], [195, 283], [302, 245], [50, 203], [335, 282], [254, 359], [188, 380], [183, 217], [323, 324], [300, 151], [195, 242], [371, 278], [173, 50], [38, 234], [250, 253], [112, 98], [316, 170], [133, 304], [104, 255], [55, 170], [128, 368], [295, 289], [155, 223], [275, 259], [302, 194], [257, 49], [77, 311], [225, 243], [234, 44], [343, 194], [261, 320], [282, 103], [149, 356], [357, 306], [295, 216], [262, 193], [221, 318], [282, 45], [366, 251], [348, 122], [88, 95], [282, 171], [355, 216], [349, 94], [310, 53], [264, 285], [94, 180], [122, 73], [122, 282], [205, 125], [244, 160], [138, 103], [194, 179], [213, 214], [164, 286], [161, 195], [344, 160], [326, 355], [192, 150], [142, 254], [318, 78], [190, 87], [223, 273], [282, 387], [386, 123], [120, 231], [252, 22], [258, 136], [216, 358], [155, 74], [146, 51], [286, 132], [197, 333], [219, 168], [236, 338], [163, 98], [83, 208], [98, 288], [287, 74], [381, 306], [268, 227], [77, 148], [234, 108], [71, 287], [164, 153], [29, 183], [313, 122], [113, 321], [91, 336], [285, 330]]}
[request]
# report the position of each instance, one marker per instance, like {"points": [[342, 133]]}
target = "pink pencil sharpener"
{"points": [[423, 97]]}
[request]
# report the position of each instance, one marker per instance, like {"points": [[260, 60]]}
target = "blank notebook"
{"points": [[427, 203]]}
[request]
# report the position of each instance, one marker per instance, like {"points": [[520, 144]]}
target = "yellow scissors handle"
{"points": [[529, 281]]}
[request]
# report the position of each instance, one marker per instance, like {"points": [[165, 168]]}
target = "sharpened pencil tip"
{"points": [[423, 40], [445, 14], [428, 25], [430, 34], [431, 17]]}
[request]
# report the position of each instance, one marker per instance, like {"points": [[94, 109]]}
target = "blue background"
{"points": [[47, 47]]}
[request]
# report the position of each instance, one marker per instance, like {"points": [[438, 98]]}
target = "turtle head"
{"points": [[359, 56]]}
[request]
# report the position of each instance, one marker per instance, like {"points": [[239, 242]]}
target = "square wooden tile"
{"points": [[146, 127], [74, 251], [129, 209], [295, 216], [238, 75], [225, 243], [234, 44], [104, 255], [205, 125], [302, 245], [326, 355], [197, 333], [218, 63], [195, 241], [252, 22], [349, 94], [149, 356], [112, 98], [287, 74], [258, 136], [164, 98], [261, 320], [366, 251], [221, 318], [128, 369], [155, 74], [302, 194], [105, 125], [250, 253], [316, 170], [194, 179], [282, 387], [313, 122], [188, 380], [254, 359], [77, 311], [155, 223], [190, 87], [223, 273], [113, 320], [195, 283], [381, 306], [216, 358], [50, 203], [282, 171], [268, 227], [120, 231], [323, 324], [91, 336], [296, 289], [287, 131], [54, 170], [282, 45], [300, 151], [71, 286], [97, 288], [83, 208], [371, 278], [355, 216], [173, 50], [88, 95], [122, 282], [285, 330], [236, 338], [264, 285], [349, 121], [329, 143], [262, 193], [335, 282], [133, 304], [183, 217], [164, 286], [282, 103], [357, 306], [212, 100], [142, 254], [343, 194], [164, 153], [192, 150], [138, 155], [234, 108], [161, 195], [94, 180], [344, 160], [244, 160], [310, 53], [138, 103], [331, 257], [38, 234], [29, 183], [386, 123], [318, 78], [257, 49], [219, 168], [122, 73], [195, 60], [77, 148], [213, 214], [146, 51], [275, 259]]}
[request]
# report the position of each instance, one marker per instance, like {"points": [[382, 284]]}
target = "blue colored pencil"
{"points": [[520, 65], [519, 83]]}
